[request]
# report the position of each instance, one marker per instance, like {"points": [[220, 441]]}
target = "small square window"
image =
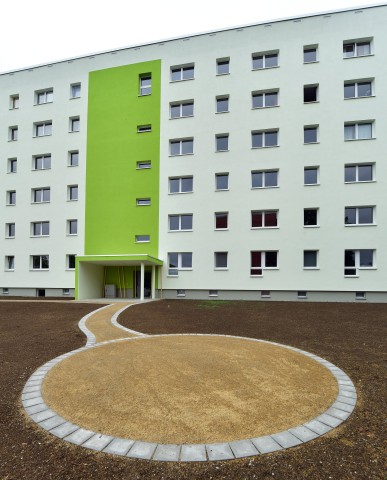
{"points": [[310, 258], [222, 142], [221, 259], [265, 294], [310, 93], [14, 102], [311, 176], [221, 181], [74, 158], [221, 221], [75, 90], [310, 134], [213, 293], [310, 217], [302, 294], [222, 66], [360, 296], [222, 104], [66, 291], [13, 134], [12, 165], [180, 293], [5, 291], [74, 124], [310, 54]]}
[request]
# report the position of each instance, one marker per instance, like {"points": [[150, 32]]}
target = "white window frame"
{"points": [[70, 225], [312, 127], [144, 238], [216, 260], [13, 133], [358, 265], [45, 126], [71, 197], [144, 128], [357, 215], [264, 213], [9, 263], [356, 166], [181, 70], [255, 133], [317, 224], [356, 44], [181, 105], [11, 197], [42, 258], [218, 175], [263, 266], [179, 263], [42, 191], [37, 229], [221, 136], [72, 154], [75, 90], [264, 172], [263, 94], [265, 56], [356, 83], [74, 124], [143, 202], [180, 216], [310, 48], [8, 230], [180, 142], [314, 267], [220, 62], [14, 102], [356, 125], [12, 165], [180, 179], [44, 96], [145, 90], [216, 215], [219, 99], [317, 169], [45, 160]]}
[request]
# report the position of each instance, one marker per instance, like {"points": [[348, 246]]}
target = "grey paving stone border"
{"points": [[58, 426]]}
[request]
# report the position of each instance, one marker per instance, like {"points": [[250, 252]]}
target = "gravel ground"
{"points": [[350, 335]]}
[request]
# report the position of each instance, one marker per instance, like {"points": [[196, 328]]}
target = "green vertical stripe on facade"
{"points": [[115, 110]]}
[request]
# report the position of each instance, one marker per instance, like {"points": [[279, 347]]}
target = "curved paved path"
{"points": [[101, 328]]}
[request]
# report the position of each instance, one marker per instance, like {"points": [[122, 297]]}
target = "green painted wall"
{"points": [[115, 110]]}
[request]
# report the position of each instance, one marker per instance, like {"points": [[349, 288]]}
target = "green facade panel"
{"points": [[114, 147]]}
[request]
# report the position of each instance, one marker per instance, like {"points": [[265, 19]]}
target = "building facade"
{"points": [[248, 163]]}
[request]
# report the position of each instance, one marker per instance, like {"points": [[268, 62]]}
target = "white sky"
{"points": [[38, 32]]}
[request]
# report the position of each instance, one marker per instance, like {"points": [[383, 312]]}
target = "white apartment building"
{"points": [[247, 163]]}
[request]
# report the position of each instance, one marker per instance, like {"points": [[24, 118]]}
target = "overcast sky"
{"points": [[38, 32]]}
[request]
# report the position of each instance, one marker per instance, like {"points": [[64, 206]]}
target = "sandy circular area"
{"points": [[189, 389]]}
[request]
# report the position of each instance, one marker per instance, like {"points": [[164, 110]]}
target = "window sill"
{"points": [[359, 97], [41, 136], [268, 146], [222, 74], [311, 184], [361, 225], [144, 95], [222, 190], [351, 276], [311, 268], [224, 111], [10, 141], [179, 118], [313, 101], [221, 229], [221, 269], [14, 108], [179, 231], [11, 205], [38, 203], [77, 131], [180, 155], [264, 228], [71, 234], [360, 181], [9, 238], [74, 166], [313, 61], [358, 139], [264, 188], [39, 169], [358, 56], [10, 172], [39, 270], [70, 270], [262, 108], [311, 143], [182, 80], [311, 226], [39, 236], [74, 98], [9, 270], [179, 193], [43, 103], [221, 151], [263, 68], [72, 200]]}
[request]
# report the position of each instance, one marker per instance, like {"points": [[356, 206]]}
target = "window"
{"points": [[10, 262], [265, 60], [40, 262], [74, 124], [359, 173], [310, 134], [70, 261], [10, 230], [358, 131], [265, 294], [74, 158], [41, 195], [44, 96], [180, 293], [40, 229], [186, 72], [221, 259], [12, 165], [311, 176], [11, 197], [355, 260], [356, 48], [5, 291], [180, 222], [264, 179], [221, 142], [72, 192], [213, 293], [143, 202], [222, 66], [13, 134], [66, 291], [359, 215], [302, 294], [222, 104], [145, 84], [221, 181], [181, 147], [265, 99], [358, 89], [262, 261], [360, 296], [144, 128], [221, 221], [182, 109], [264, 218], [310, 258], [41, 162], [310, 54], [310, 217], [310, 93], [180, 184], [144, 165], [72, 227], [264, 138], [75, 90], [43, 129], [142, 238], [14, 102], [179, 261]]}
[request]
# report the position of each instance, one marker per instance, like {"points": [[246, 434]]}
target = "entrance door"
{"points": [[147, 284]]}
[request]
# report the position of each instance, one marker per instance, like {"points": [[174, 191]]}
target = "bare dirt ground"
{"points": [[353, 336]]}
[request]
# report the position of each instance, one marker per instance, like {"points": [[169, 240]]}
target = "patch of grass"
{"points": [[213, 303]]}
